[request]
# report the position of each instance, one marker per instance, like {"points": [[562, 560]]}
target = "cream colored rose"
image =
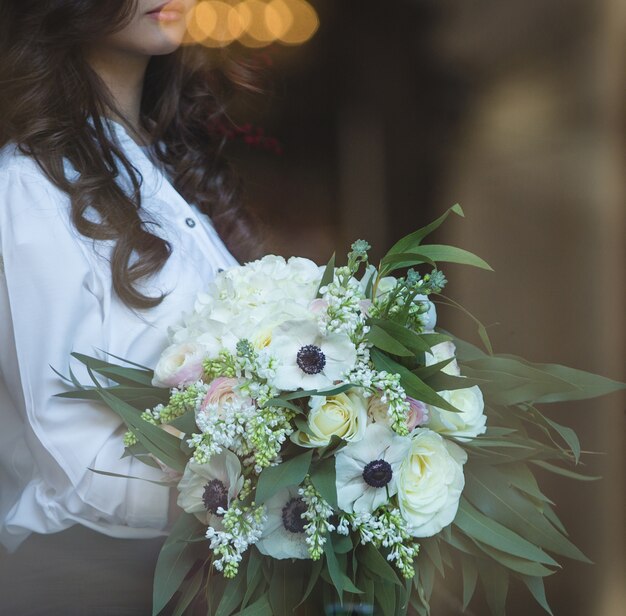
{"points": [[430, 483], [469, 422], [343, 415], [179, 364]]}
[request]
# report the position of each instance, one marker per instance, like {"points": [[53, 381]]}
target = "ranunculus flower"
{"points": [[206, 487], [221, 391], [430, 483], [469, 422], [441, 352], [180, 364], [307, 359], [418, 414], [367, 471], [283, 534], [378, 411], [343, 415]]}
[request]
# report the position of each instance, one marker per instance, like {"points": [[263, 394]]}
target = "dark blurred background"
{"points": [[394, 111]]}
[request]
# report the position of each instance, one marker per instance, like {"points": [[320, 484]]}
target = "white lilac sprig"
{"points": [[318, 513], [384, 528], [243, 525]]}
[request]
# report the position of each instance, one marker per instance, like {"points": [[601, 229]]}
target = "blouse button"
{"points": [[190, 222]]}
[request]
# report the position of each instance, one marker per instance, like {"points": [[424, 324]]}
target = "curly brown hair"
{"points": [[53, 106]]}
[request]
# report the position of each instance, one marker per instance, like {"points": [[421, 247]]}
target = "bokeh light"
{"points": [[253, 23]]}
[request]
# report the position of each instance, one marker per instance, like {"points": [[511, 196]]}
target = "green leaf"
{"points": [[414, 239], [470, 577], [261, 607], [117, 373], [378, 565], [431, 547], [254, 575], [285, 588], [316, 569], [108, 474], [413, 385], [164, 446], [176, 559], [378, 337], [282, 403], [519, 565], [323, 478], [557, 470], [275, 478], [328, 275], [489, 489], [391, 263], [536, 587], [411, 341], [185, 423], [495, 582], [189, 594], [487, 531], [338, 576], [385, 596], [452, 254], [233, 595]]}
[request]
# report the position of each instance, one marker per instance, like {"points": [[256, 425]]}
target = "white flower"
{"points": [[179, 364], [343, 415], [429, 318], [283, 533], [206, 487], [367, 471], [441, 352], [307, 359], [430, 483], [469, 422]]}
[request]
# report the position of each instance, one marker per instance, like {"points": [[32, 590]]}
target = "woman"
{"points": [[109, 172]]}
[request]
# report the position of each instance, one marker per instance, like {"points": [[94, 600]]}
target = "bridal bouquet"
{"points": [[331, 447]]}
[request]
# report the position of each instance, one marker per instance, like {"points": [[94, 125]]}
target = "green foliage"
{"points": [[505, 530]]}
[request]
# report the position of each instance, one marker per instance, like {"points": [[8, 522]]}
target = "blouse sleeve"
{"points": [[50, 308]]}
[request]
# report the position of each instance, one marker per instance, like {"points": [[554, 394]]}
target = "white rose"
{"points": [[430, 483], [441, 352], [180, 364], [469, 422], [343, 415]]}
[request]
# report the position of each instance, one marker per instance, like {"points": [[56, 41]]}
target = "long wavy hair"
{"points": [[53, 106]]}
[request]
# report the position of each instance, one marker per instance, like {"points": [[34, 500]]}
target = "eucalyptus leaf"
{"points": [[158, 442], [323, 478], [413, 385], [492, 533], [261, 607], [232, 596], [328, 275], [370, 557], [536, 587], [414, 239], [189, 593], [175, 560], [275, 478]]}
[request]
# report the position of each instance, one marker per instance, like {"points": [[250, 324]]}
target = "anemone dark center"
{"points": [[292, 515], [310, 359], [215, 496], [377, 473]]}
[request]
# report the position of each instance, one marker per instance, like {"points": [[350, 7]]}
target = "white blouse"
{"points": [[56, 296]]}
